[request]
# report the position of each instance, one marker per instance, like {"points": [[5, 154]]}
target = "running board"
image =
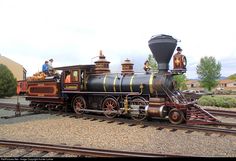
{"points": [[198, 116]]}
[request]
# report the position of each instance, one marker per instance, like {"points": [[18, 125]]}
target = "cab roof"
{"points": [[75, 67]]}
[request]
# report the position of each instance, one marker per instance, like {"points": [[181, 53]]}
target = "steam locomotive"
{"points": [[93, 88]]}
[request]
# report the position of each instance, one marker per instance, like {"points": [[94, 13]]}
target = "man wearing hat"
{"points": [[50, 68], [179, 60], [146, 66]]}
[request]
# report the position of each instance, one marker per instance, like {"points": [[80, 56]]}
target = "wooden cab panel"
{"points": [[72, 86], [47, 88]]}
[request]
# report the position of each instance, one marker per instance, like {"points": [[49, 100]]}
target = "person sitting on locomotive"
{"points": [[50, 68], [67, 78], [45, 68], [146, 66], [179, 60]]}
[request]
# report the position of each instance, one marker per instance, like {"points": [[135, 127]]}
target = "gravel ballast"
{"points": [[45, 128]]}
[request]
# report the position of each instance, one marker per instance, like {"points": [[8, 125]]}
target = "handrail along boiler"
{"points": [[93, 88]]}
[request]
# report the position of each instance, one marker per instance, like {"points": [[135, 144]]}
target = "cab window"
{"points": [[75, 76], [67, 77]]}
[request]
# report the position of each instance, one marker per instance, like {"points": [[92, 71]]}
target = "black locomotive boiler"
{"points": [[93, 88]]}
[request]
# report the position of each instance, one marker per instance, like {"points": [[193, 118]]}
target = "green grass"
{"points": [[218, 101]]}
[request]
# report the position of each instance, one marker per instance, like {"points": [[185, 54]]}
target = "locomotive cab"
{"points": [[73, 78]]}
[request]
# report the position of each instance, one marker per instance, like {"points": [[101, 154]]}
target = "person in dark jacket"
{"points": [[45, 68]]}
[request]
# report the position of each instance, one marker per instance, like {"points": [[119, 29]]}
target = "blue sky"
{"points": [[73, 31]]}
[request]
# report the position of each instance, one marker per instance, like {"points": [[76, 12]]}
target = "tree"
{"points": [[7, 82], [180, 82], [208, 72], [152, 62]]}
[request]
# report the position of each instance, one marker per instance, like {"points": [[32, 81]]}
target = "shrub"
{"points": [[218, 101], [7, 82]]}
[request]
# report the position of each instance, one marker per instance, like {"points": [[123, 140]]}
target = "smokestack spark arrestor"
{"points": [[162, 47]]}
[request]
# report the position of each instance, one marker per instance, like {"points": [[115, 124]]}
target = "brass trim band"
{"points": [[131, 83], [121, 80], [104, 83], [114, 83], [151, 83]]}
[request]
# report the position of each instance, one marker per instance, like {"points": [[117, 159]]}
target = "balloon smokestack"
{"points": [[162, 47]]}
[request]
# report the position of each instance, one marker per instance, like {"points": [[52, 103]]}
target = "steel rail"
{"points": [[18, 110], [222, 112], [13, 105], [202, 128], [212, 111], [82, 151]]}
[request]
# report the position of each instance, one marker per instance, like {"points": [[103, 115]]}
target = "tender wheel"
{"points": [[137, 111], [110, 107], [78, 104], [38, 108], [176, 116]]}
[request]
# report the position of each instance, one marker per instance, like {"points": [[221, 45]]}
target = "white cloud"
{"points": [[73, 31]]}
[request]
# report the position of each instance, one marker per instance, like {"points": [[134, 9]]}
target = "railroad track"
{"points": [[222, 112], [225, 113], [13, 105], [76, 151], [212, 111], [221, 128]]}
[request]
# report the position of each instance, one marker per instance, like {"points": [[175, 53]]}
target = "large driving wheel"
{"points": [[78, 104], [137, 108], [110, 107], [176, 116]]}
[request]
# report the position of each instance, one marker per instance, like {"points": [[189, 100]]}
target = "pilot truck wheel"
{"points": [[176, 116]]}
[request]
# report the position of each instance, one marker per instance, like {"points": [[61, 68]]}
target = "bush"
{"points": [[233, 92], [218, 101], [7, 82], [203, 101]]}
